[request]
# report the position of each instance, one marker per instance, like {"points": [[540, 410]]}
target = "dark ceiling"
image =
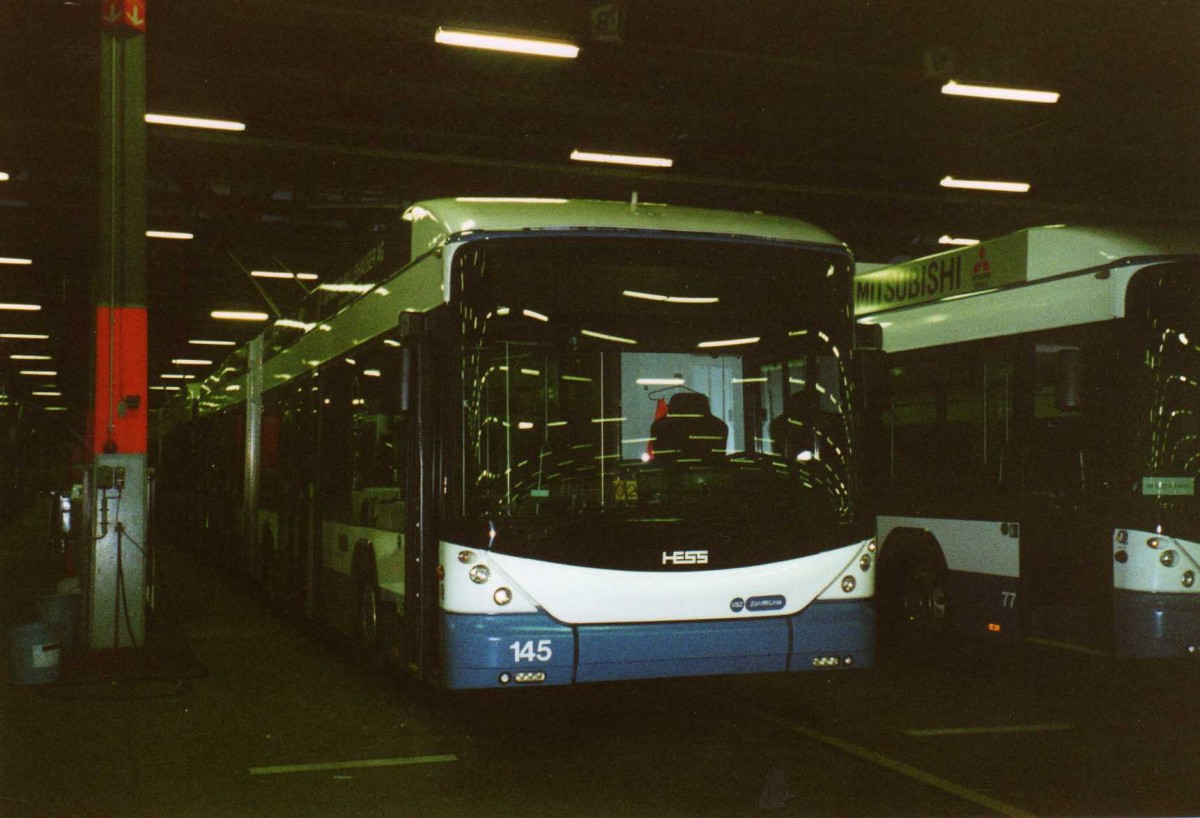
{"points": [[826, 110]]}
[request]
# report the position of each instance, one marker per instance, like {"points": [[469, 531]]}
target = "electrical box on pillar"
{"points": [[116, 553]]}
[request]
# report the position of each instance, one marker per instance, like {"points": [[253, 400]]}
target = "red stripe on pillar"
{"points": [[119, 405]]}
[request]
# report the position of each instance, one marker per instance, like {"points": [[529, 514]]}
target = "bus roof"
{"points": [[1021, 257], [436, 220]]}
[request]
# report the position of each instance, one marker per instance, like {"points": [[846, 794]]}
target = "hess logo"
{"points": [[685, 558]]}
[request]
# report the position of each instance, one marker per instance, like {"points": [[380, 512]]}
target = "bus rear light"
{"points": [[848, 583], [1121, 556], [993, 627], [826, 661], [479, 574], [1167, 558], [1122, 536], [530, 676], [1152, 542], [1189, 579], [503, 596]]}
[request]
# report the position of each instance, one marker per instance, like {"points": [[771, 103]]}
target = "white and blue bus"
{"points": [[558, 442], [1041, 450]]}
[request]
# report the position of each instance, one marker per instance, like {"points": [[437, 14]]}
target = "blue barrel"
{"points": [[36, 653]]}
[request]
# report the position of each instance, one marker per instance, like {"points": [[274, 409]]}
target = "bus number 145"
{"points": [[526, 652]]}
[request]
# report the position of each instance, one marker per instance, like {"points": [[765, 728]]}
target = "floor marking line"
{"points": [[979, 731], [957, 790], [351, 765], [1071, 646]]}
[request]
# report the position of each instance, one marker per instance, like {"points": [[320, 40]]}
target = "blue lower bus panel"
{"points": [[829, 635], [480, 650], [657, 649], [1156, 626], [534, 649]]}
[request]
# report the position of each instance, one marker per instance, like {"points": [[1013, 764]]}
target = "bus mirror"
{"points": [[868, 336], [872, 378], [406, 380], [1068, 393], [411, 324]]}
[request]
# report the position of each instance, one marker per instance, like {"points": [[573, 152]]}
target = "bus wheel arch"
{"points": [[911, 585]]}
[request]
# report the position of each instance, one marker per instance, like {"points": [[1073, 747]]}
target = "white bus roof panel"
{"points": [[436, 220], [1018, 258]]}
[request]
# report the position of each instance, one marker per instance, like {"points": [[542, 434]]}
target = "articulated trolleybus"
{"points": [[563, 441], [1042, 445]]}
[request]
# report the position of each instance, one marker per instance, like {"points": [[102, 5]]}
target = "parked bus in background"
{"points": [[560, 441], [1041, 450]]}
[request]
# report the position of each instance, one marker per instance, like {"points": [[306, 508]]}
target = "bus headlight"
{"points": [[864, 562], [503, 596], [479, 574], [1121, 556], [1167, 558], [848, 583], [1122, 536], [1152, 542], [465, 557], [1189, 579], [871, 546]]}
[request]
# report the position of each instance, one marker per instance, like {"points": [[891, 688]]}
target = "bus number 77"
{"points": [[526, 652]]}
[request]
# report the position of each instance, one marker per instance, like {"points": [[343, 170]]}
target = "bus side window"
{"points": [[378, 441]]}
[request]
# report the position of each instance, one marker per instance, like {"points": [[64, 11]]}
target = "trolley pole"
{"points": [[118, 481]]}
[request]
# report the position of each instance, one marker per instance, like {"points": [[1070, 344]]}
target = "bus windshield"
{"points": [[626, 398], [1165, 304]]}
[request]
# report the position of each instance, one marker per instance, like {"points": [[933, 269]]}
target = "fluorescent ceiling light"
{"points": [[168, 234], [41, 373], [165, 388], [976, 184], [603, 337], [292, 323], [660, 381], [4, 260], [622, 159], [195, 122], [29, 357], [282, 274], [997, 92], [54, 408], [21, 307], [204, 342], [47, 394], [515, 45], [729, 343], [24, 336], [239, 315], [190, 362], [952, 240], [175, 376], [346, 288], [537, 316]]}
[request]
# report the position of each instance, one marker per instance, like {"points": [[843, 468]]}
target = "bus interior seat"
{"points": [[689, 429]]}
